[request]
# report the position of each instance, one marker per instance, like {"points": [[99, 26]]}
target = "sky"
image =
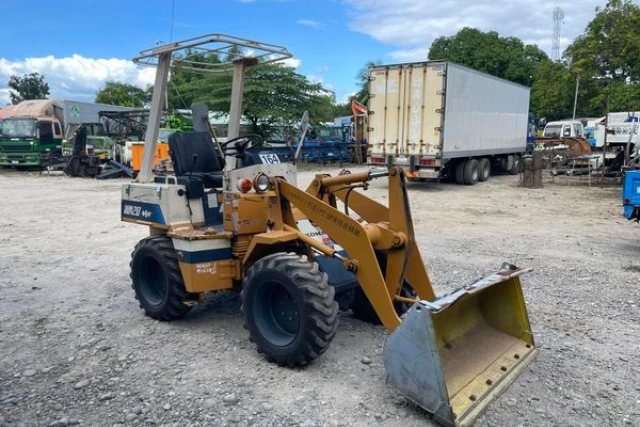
{"points": [[78, 45]]}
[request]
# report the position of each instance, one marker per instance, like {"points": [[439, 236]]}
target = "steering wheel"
{"points": [[240, 144]]}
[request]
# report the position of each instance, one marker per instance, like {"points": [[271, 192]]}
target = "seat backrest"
{"points": [[182, 147]]}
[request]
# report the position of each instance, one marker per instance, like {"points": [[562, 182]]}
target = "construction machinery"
{"points": [[232, 219], [34, 132]]}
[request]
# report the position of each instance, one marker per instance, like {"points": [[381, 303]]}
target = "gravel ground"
{"points": [[76, 349]]}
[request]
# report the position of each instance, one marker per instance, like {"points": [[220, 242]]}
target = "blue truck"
{"points": [[631, 195]]}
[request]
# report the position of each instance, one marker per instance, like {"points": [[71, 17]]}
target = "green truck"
{"points": [[32, 132]]}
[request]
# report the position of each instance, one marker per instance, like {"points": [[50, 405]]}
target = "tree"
{"points": [[274, 95], [607, 60], [610, 46], [343, 109], [123, 94], [505, 57], [552, 91], [180, 88], [29, 86]]}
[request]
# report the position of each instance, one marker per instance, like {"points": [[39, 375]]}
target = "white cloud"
{"points": [[292, 62], [311, 23], [75, 77], [79, 78], [408, 55], [411, 25]]}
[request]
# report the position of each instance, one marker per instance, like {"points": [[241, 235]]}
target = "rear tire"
{"points": [[485, 169], [157, 281], [459, 172], [471, 172], [289, 309]]}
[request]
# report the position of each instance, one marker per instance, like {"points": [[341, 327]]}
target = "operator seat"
{"points": [[207, 166]]}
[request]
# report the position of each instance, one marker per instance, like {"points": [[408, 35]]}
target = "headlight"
{"points": [[261, 183]]}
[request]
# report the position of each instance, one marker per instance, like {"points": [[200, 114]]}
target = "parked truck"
{"points": [[438, 119], [32, 132]]}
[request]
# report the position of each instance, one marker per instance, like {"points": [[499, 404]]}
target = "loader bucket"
{"points": [[455, 354]]}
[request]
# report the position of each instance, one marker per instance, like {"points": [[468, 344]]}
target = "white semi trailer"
{"points": [[437, 119]]}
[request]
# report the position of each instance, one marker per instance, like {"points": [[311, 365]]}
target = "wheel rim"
{"points": [[276, 314], [474, 174], [153, 283]]}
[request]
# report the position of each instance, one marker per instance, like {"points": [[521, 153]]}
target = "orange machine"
{"points": [[137, 151]]}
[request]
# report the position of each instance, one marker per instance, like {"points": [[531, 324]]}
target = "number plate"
{"points": [[269, 158], [15, 162]]}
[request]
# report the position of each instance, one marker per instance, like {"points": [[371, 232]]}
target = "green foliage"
{"points": [[505, 57], [552, 92], [29, 86], [274, 95], [180, 90], [610, 46], [340, 110], [123, 94], [607, 60]]}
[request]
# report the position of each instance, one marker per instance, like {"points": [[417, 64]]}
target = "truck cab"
{"points": [[27, 141], [564, 129]]}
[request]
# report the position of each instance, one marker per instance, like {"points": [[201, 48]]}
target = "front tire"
{"points": [[157, 281], [289, 309]]}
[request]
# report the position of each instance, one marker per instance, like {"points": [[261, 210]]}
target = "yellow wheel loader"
{"points": [[232, 218]]}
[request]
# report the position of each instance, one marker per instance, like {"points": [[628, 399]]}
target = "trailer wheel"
{"points": [[361, 306], [157, 280], [471, 172], [459, 172], [289, 309], [485, 169]]}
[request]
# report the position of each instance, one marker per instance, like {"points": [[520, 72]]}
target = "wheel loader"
{"points": [[233, 219]]}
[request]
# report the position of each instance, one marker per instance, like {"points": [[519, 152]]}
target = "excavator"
{"points": [[230, 219]]}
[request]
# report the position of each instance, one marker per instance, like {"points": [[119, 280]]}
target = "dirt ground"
{"points": [[76, 349]]}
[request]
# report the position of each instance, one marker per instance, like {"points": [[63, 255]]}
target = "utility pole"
{"points": [[575, 100]]}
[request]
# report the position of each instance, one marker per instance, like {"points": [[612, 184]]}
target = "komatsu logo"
{"points": [[136, 211]]}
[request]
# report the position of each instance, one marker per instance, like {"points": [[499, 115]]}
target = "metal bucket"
{"points": [[454, 355]]}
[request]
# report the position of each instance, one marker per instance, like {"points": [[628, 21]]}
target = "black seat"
{"points": [[208, 166]]}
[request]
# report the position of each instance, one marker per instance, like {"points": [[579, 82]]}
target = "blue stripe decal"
{"points": [[206, 256], [141, 211]]}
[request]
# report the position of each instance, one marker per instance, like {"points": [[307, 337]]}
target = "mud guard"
{"points": [[454, 355]]}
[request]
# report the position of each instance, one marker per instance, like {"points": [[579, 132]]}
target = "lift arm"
{"points": [[393, 235]]}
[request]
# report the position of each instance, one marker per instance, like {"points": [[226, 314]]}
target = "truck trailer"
{"points": [[438, 119], [32, 132]]}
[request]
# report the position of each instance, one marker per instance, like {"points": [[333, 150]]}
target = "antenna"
{"points": [[558, 18]]}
